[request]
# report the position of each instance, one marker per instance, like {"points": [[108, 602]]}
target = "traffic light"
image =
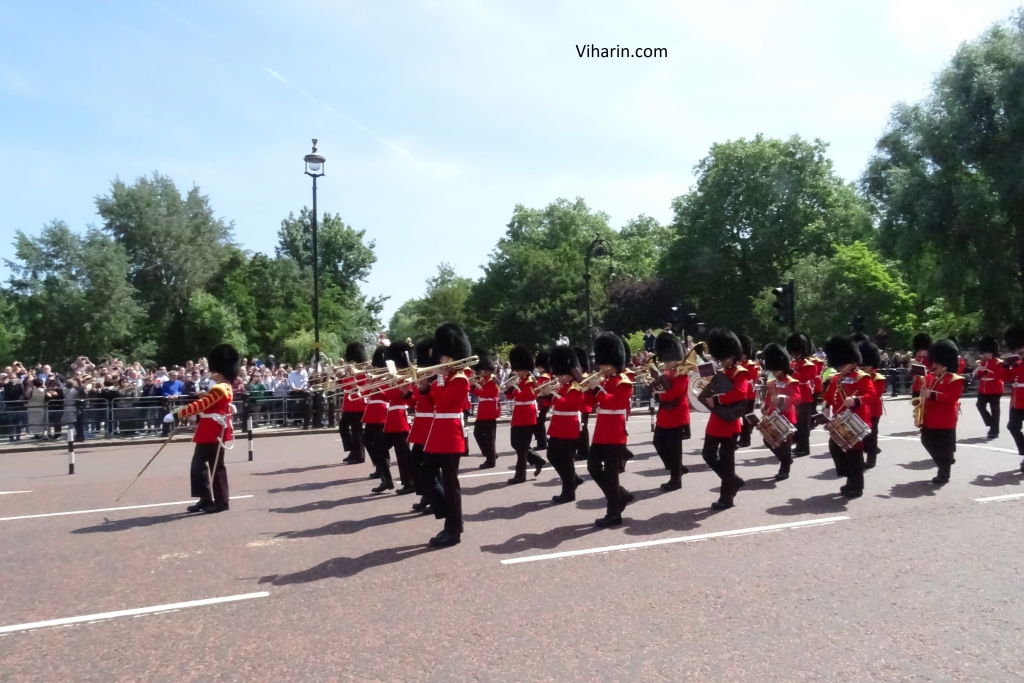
{"points": [[785, 304]]}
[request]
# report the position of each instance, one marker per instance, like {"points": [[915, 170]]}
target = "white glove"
{"points": [[169, 417]]}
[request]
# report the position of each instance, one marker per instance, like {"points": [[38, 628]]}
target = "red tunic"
{"points": [[446, 433], [565, 412], [670, 418], [1015, 378], [397, 420], [753, 372], [612, 401], [876, 407], [804, 371], [546, 400], [722, 429], [819, 369], [214, 411], [376, 409], [790, 389], [353, 403], [991, 375], [940, 411], [488, 408], [524, 403], [855, 384], [424, 416]]}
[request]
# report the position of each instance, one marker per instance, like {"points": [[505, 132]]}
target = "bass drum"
{"points": [[697, 384]]}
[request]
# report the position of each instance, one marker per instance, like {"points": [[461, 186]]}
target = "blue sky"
{"points": [[437, 118]]}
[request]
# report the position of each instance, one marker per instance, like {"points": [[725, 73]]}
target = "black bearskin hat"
{"points": [[563, 361], [379, 357], [583, 358], [922, 341], [723, 343], [859, 337], [776, 358], [451, 341], [541, 361], [668, 347], [870, 356], [399, 353], [355, 352], [520, 358], [486, 363], [945, 353], [747, 344], [608, 350], [798, 344], [840, 351], [424, 352], [1014, 337], [225, 360], [988, 344]]}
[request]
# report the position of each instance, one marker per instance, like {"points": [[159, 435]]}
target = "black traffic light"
{"points": [[785, 304]]}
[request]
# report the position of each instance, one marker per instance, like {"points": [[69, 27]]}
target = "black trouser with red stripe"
{"points": [[351, 429], [988, 406], [400, 442], [485, 432], [441, 473], [603, 464], [562, 456], [720, 455], [849, 464], [521, 436], [941, 445], [373, 437], [202, 461], [668, 443]]}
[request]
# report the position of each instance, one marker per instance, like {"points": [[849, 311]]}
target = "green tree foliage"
{"points": [[759, 206], [831, 291], [947, 183], [444, 301], [72, 292], [345, 260]]}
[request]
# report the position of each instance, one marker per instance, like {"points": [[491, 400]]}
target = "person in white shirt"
{"points": [[562, 340], [297, 379]]}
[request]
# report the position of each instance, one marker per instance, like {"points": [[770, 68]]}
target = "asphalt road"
{"points": [[909, 583]]}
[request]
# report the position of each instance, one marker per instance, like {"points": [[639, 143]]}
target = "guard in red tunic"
{"points": [[374, 418], [782, 397], [423, 417], [447, 442], [853, 390], [213, 431], [524, 413], [819, 371], [672, 424], [1013, 337], [488, 409], [564, 429], [870, 359], [543, 402], [608, 450], [753, 377], [990, 374], [352, 407], [941, 392], [804, 371], [921, 343], [723, 429], [396, 426], [583, 449]]}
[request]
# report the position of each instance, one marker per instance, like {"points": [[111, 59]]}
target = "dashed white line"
{"points": [[677, 539], [992, 499], [127, 507], [7, 493], [93, 618]]}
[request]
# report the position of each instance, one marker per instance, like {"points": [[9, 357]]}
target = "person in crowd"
{"points": [[35, 402], [69, 416], [54, 403], [649, 338]]}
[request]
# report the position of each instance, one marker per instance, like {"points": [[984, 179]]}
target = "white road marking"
{"points": [[7, 493], [92, 618], [992, 499], [127, 507], [677, 539]]}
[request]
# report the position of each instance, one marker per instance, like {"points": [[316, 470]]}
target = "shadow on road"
{"points": [[685, 520], [757, 462], [547, 540], [483, 488], [133, 523], [976, 439], [764, 484], [511, 512], [918, 465], [915, 489], [828, 502], [327, 504], [344, 567], [296, 470], [1010, 478], [827, 475], [349, 526], [915, 432], [317, 485]]}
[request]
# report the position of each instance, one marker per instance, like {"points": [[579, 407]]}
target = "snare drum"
{"points": [[847, 430]]}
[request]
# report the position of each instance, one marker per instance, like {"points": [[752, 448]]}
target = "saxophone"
{"points": [[918, 405]]}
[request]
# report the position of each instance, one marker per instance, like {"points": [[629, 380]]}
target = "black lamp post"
{"points": [[315, 169], [599, 247]]}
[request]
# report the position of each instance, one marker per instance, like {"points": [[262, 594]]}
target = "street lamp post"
{"points": [[315, 169], [599, 247]]}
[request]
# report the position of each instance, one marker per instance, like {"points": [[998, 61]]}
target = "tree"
{"points": [[72, 292], [830, 292], [444, 301], [640, 304], [638, 248], [758, 207], [947, 183], [344, 259]]}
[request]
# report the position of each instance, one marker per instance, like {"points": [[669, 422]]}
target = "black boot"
{"points": [[445, 539], [608, 521], [200, 505]]}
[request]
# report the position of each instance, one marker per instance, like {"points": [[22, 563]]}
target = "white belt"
{"points": [[219, 418], [390, 408], [525, 403], [602, 411], [488, 399], [565, 413], [424, 415], [447, 416], [1016, 384], [371, 402]]}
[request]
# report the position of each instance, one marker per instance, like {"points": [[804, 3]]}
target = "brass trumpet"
{"points": [[413, 374]]}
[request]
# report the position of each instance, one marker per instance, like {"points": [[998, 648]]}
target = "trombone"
{"points": [[413, 374]]}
